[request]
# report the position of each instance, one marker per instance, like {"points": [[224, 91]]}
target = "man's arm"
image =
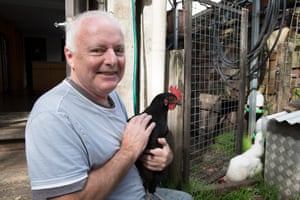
{"points": [[102, 181]]}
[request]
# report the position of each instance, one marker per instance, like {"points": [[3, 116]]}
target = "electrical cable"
{"points": [[269, 22], [263, 31], [268, 26], [265, 58], [219, 48]]}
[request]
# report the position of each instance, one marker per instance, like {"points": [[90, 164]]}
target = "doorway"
{"points": [[35, 50]]}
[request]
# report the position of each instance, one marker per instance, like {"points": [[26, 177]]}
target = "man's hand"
{"points": [[159, 158], [136, 134]]}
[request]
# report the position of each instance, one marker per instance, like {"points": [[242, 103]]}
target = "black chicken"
{"points": [[159, 110]]}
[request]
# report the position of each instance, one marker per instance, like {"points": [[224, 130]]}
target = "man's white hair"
{"points": [[73, 26]]}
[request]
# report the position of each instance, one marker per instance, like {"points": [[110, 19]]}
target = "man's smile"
{"points": [[108, 73]]}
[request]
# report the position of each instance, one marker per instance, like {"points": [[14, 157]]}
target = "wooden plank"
{"points": [[175, 122], [283, 90]]}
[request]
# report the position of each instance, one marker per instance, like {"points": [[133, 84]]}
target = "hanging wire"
{"points": [[260, 51], [279, 33], [220, 51], [272, 14]]}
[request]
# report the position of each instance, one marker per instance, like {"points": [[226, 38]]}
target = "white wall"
{"points": [[122, 11]]}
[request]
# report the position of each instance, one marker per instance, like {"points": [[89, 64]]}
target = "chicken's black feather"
{"points": [[158, 109]]}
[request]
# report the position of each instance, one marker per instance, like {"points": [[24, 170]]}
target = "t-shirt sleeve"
{"points": [[56, 155]]}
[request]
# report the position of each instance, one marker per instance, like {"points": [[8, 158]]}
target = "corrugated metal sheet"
{"points": [[290, 117]]}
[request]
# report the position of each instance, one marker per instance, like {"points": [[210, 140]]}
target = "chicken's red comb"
{"points": [[176, 92]]}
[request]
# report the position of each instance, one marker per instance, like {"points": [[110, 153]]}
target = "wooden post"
{"points": [[283, 84], [243, 63], [187, 89], [175, 122]]}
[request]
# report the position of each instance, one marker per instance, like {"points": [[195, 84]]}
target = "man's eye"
{"points": [[119, 51], [97, 51]]}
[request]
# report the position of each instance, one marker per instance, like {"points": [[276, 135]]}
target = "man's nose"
{"points": [[110, 57]]}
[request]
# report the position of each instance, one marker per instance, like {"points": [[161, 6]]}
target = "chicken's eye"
{"points": [[166, 102]]}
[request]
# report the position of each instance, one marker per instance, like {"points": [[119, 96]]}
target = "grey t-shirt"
{"points": [[68, 135]]}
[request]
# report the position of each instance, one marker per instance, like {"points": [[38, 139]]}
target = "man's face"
{"points": [[98, 63]]}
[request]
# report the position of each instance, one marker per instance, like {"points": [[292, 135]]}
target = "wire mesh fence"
{"points": [[292, 55], [281, 77], [216, 81]]}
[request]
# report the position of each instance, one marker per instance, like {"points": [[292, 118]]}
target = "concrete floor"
{"points": [[14, 180]]}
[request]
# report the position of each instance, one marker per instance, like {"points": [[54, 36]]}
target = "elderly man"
{"points": [[78, 142]]}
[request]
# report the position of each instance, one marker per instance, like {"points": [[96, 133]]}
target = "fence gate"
{"points": [[215, 47]]}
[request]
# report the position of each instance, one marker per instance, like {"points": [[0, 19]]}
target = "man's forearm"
{"points": [[102, 181]]}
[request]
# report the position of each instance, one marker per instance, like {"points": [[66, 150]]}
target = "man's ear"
{"points": [[69, 56]]}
